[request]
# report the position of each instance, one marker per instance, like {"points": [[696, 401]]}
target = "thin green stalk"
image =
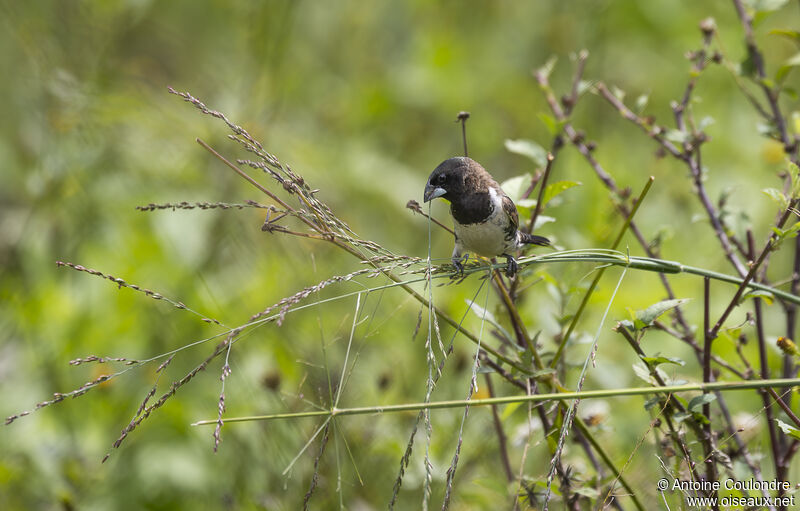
{"points": [[654, 265], [555, 396]]}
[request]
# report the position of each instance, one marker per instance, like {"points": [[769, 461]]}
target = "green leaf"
{"points": [[700, 418], [794, 175], [765, 5], [509, 409], [528, 148], [541, 220], [677, 136], [657, 360], [777, 196], [641, 102], [767, 129], [554, 189], [553, 126], [731, 334], [787, 33], [788, 430], [650, 314], [588, 491], [643, 373], [705, 122], [547, 371], [748, 66], [791, 232], [787, 66], [697, 402], [516, 187], [758, 293], [650, 403], [584, 86], [789, 91]]}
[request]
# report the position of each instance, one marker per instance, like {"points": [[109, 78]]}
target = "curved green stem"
{"points": [[555, 396]]}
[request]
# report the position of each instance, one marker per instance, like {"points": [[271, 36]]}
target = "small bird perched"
{"points": [[485, 218]]}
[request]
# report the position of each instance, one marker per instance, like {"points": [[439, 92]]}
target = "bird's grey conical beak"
{"points": [[431, 192]]}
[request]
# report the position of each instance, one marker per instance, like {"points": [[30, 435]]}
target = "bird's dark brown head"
{"points": [[449, 179]]}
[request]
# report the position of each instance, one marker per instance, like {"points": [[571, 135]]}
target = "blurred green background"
{"points": [[360, 99]]}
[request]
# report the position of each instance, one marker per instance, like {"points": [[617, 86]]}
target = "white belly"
{"points": [[486, 239]]}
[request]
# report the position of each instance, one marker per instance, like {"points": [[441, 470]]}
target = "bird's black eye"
{"points": [[438, 180]]}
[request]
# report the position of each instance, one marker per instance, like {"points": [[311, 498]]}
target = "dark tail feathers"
{"points": [[533, 239]]}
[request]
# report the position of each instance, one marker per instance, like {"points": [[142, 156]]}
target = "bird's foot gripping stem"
{"points": [[459, 263], [512, 267]]}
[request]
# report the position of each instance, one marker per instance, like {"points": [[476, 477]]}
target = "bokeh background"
{"points": [[360, 99]]}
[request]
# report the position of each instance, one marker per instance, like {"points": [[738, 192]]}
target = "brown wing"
{"points": [[511, 210]]}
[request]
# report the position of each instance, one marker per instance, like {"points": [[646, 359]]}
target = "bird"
{"points": [[485, 218]]}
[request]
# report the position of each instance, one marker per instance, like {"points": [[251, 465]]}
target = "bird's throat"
{"points": [[472, 208]]}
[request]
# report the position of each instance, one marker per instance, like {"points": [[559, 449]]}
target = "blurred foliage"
{"points": [[360, 99]]}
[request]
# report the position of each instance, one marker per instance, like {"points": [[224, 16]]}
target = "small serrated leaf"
{"points": [[697, 402], [788, 430], [543, 219], [663, 360], [650, 314], [681, 416], [777, 196], [758, 293], [528, 148], [584, 86], [791, 232], [700, 418], [516, 186], [554, 189], [509, 409], [794, 175], [643, 373], [787, 33], [765, 5], [641, 102], [543, 372], [650, 403], [587, 491], [705, 122], [787, 66], [677, 136], [747, 67]]}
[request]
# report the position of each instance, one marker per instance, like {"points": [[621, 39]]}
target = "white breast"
{"points": [[486, 238]]}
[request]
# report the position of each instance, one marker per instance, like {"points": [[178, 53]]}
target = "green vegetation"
{"points": [[327, 326]]}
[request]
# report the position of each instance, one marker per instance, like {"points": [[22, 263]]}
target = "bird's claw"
{"points": [[459, 263], [512, 267]]}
